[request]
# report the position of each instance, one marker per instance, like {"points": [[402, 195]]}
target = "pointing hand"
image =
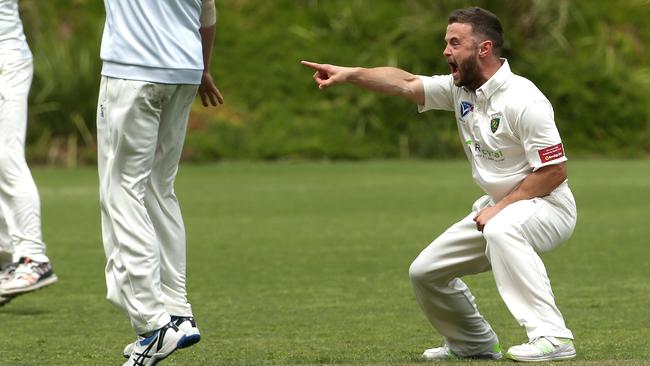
{"points": [[327, 75]]}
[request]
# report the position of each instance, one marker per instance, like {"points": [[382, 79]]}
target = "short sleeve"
{"points": [[208, 13], [539, 135], [438, 93]]}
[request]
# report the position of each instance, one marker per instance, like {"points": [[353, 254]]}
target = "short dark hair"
{"points": [[483, 22]]}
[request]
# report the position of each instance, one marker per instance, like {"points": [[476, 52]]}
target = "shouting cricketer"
{"points": [[509, 135]]}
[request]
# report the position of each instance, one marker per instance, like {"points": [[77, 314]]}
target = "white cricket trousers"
{"points": [[20, 205], [510, 245], [140, 133]]}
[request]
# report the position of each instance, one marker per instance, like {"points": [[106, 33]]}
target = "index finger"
{"points": [[312, 65]]}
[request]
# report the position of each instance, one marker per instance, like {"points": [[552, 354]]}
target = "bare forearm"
{"points": [[538, 184], [207, 39], [387, 80]]}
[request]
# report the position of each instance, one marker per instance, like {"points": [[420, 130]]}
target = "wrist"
{"points": [[352, 74], [502, 204]]}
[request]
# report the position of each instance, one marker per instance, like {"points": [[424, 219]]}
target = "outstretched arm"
{"points": [[385, 80]]}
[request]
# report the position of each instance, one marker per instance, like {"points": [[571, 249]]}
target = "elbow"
{"points": [[562, 172], [558, 172], [407, 92], [553, 174], [413, 90]]}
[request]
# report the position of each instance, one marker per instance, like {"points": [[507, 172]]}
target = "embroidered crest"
{"points": [[494, 124], [465, 108]]}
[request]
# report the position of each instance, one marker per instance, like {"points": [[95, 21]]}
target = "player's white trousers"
{"points": [[510, 245], [20, 205], [140, 133]]}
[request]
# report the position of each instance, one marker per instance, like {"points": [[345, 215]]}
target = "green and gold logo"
{"points": [[494, 124]]}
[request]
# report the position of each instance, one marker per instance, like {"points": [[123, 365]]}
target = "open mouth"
{"points": [[454, 67]]}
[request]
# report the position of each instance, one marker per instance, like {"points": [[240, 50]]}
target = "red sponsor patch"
{"points": [[551, 153]]}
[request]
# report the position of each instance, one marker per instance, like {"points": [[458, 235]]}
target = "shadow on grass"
{"points": [[18, 309]]}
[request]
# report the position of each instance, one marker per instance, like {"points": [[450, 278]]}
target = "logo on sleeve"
{"points": [[551, 153], [465, 108], [494, 124]]}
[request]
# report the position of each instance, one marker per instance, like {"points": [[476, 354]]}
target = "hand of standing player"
{"points": [[209, 92]]}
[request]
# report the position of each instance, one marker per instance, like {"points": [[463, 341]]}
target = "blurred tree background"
{"points": [[589, 57]]}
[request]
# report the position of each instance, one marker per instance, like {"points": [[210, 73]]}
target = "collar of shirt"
{"points": [[496, 81]]}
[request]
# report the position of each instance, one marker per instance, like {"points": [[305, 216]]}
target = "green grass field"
{"points": [[307, 263]]}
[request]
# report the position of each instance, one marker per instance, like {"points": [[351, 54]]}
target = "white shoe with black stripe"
{"points": [[188, 326], [185, 324], [148, 351]]}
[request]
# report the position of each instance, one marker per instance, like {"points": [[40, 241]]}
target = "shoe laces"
{"points": [[552, 341], [28, 266], [25, 265]]}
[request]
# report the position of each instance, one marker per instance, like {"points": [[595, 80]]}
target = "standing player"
{"points": [[156, 55], [26, 267], [508, 131]]}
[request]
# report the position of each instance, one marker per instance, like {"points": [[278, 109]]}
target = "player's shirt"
{"points": [[507, 127], [153, 40], [12, 39]]}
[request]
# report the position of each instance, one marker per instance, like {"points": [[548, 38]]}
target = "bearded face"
{"points": [[461, 54], [467, 72]]}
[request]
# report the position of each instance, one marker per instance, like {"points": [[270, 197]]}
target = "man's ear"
{"points": [[485, 49]]}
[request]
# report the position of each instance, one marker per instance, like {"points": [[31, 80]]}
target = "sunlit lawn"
{"points": [[306, 263]]}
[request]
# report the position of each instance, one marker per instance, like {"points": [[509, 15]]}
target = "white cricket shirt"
{"points": [[153, 40], [507, 127], [12, 39]]}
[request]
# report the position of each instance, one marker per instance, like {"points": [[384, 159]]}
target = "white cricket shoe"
{"points": [[148, 351], [543, 349], [185, 324], [7, 272], [27, 276], [444, 353], [188, 326]]}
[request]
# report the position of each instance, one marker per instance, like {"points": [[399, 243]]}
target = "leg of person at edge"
{"points": [[156, 56], [23, 263], [509, 135]]}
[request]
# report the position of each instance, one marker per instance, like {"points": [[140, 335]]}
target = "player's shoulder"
{"points": [[521, 88], [521, 94]]}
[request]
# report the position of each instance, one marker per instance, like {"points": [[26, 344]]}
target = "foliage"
{"points": [[63, 36], [307, 264], [589, 58]]}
